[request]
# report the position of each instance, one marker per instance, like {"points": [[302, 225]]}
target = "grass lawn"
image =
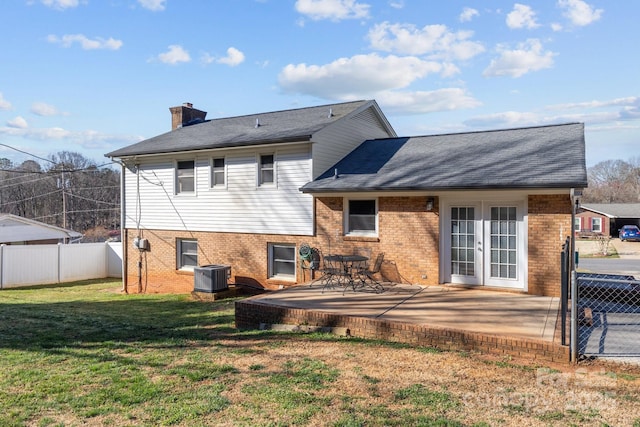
{"points": [[84, 354]]}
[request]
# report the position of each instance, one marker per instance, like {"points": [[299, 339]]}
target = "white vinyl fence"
{"points": [[24, 265]]}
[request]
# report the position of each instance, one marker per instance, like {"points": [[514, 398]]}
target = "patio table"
{"points": [[352, 266]]}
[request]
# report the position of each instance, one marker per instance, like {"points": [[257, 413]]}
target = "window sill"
{"points": [[356, 238], [185, 271]]}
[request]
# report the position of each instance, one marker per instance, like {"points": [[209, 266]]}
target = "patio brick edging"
{"points": [[250, 314]]}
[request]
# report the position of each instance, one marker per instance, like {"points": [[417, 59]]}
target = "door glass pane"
{"points": [[462, 241], [504, 235]]}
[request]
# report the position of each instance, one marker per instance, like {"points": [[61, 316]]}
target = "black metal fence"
{"points": [[608, 310], [607, 313]]}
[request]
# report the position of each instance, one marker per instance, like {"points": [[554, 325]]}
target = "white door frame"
{"points": [[482, 204]]}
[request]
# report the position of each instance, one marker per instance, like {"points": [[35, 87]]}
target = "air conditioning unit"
{"points": [[211, 278]]}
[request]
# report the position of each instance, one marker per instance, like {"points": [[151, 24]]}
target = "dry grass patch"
{"points": [[82, 355]]}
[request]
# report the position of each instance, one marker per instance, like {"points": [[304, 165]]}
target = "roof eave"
{"points": [[241, 144]]}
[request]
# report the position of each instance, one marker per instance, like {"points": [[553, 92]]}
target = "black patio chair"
{"points": [[333, 273], [367, 275]]}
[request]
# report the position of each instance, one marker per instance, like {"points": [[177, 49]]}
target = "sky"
{"points": [[92, 76]]}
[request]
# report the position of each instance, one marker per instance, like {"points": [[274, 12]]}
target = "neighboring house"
{"points": [[486, 209], [15, 230], [605, 218]]}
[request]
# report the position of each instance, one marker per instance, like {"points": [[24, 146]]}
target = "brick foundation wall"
{"points": [[549, 226], [249, 314], [409, 236]]}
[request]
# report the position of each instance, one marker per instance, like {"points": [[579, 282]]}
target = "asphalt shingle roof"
{"points": [[274, 127], [535, 157], [615, 210]]}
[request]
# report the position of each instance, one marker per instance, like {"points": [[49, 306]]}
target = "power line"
{"points": [[92, 200], [27, 153]]}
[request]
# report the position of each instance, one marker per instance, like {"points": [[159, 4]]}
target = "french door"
{"points": [[485, 244]]}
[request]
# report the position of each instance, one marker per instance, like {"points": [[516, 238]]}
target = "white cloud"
{"points": [[522, 16], [86, 43], [555, 26], [356, 77], [44, 109], [18, 123], [468, 14], [436, 40], [85, 139], [174, 55], [334, 10], [154, 5], [4, 104], [398, 4], [422, 102], [630, 101], [528, 57], [60, 4], [613, 113], [234, 57], [504, 119], [579, 12]]}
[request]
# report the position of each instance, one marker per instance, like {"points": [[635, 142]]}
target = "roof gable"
{"points": [[536, 157], [255, 129]]}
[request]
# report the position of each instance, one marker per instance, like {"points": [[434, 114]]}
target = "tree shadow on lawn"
{"points": [[99, 317]]}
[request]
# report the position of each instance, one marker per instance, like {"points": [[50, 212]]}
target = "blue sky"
{"points": [[92, 76]]}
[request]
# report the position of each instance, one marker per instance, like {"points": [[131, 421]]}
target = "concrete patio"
{"points": [[443, 316]]}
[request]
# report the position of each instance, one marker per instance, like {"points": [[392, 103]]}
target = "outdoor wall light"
{"points": [[430, 203]]}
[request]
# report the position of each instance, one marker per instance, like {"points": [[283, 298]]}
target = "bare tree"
{"points": [[614, 181], [68, 190]]}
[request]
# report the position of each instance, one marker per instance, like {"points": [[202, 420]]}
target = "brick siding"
{"points": [[549, 226], [250, 314]]}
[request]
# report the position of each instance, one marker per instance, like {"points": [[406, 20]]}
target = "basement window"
{"points": [[282, 261], [186, 254]]}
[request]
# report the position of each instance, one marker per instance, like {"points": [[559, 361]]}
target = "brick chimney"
{"points": [[185, 115]]}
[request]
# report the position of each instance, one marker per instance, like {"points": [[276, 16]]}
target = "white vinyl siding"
{"points": [[242, 208], [350, 133]]}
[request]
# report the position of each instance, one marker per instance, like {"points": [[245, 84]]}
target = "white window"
{"points": [[282, 261], [596, 225], [186, 254], [577, 225], [267, 169], [361, 217], [218, 173], [185, 177]]}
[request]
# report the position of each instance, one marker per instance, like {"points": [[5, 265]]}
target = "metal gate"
{"points": [[608, 316]]}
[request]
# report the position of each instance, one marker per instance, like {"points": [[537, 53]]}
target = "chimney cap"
{"points": [[187, 104]]}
